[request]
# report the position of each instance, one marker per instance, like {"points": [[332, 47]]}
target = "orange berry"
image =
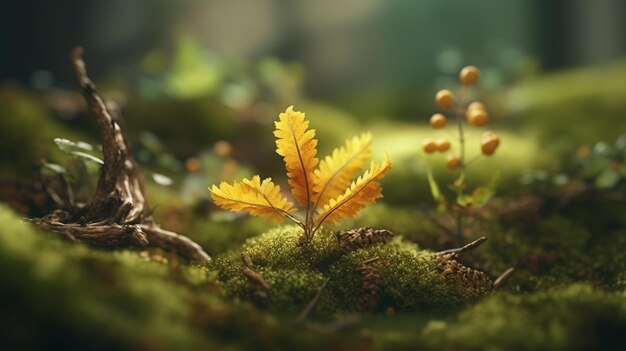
{"points": [[443, 145], [477, 117], [222, 149], [489, 144], [453, 162], [476, 105], [444, 98], [429, 146], [193, 165], [438, 121], [469, 75]]}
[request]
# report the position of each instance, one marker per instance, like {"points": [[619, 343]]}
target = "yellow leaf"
{"points": [[297, 144], [252, 196], [336, 172], [364, 191]]}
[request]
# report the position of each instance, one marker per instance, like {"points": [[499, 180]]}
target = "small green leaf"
{"points": [[481, 195], [607, 179], [53, 169], [602, 149], [434, 187], [560, 179], [459, 183], [596, 166], [80, 149], [86, 156], [434, 190], [464, 200], [69, 146], [162, 179]]}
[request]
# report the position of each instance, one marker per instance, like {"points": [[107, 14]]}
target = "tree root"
{"points": [[118, 215]]}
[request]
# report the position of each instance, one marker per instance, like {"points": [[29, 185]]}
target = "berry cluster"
{"points": [[474, 114]]}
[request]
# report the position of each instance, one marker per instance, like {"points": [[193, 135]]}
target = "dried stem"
{"points": [[311, 305], [253, 275], [504, 276], [437, 222], [467, 248]]}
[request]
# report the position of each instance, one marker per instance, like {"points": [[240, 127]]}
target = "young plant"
{"points": [[475, 114], [326, 193]]}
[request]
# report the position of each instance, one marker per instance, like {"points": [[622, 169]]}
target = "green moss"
{"points": [[560, 249], [576, 317], [119, 292], [560, 107], [573, 317], [410, 277], [27, 131], [60, 295]]}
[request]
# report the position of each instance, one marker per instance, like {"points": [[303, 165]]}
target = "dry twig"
{"points": [[311, 305]]}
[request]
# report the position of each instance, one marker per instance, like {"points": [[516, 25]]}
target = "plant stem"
{"points": [[459, 119]]}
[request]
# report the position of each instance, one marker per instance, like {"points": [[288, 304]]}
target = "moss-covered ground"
{"points": [[59, 294], [569, 250]]}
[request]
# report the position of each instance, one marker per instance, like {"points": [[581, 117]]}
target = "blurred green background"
{"points": [[188, 74]]}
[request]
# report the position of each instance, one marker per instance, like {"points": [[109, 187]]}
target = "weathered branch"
{"points": [[118, 214], [120, 181]]}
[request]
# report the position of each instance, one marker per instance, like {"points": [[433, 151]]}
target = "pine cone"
{"points": [[453, 271], [371, 284], [352, 239]]}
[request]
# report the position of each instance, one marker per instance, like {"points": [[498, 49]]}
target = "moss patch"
{"points": [[60, 295], [410, 277]]}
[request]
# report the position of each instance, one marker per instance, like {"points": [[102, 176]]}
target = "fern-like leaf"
{"points": [[297, 144], [364, 191], [252, 196], [336, 172]]}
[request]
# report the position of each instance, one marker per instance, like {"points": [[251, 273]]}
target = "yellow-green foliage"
{"points": [[326, 190], [411, 279]]}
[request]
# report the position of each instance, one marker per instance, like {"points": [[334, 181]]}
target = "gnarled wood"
{"points": [[118, 214]]}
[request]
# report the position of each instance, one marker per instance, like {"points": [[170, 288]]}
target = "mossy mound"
{"points": [[64, 295], [61, 295], [410, 278], [573, 317]]}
